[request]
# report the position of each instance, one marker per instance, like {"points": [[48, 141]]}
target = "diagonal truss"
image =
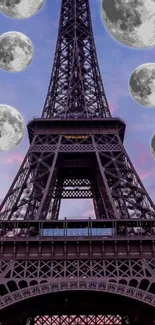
{"points": [[128, 192], [78, 320], [76, 159], [76, 87], [133, 278], [57, 168], [138, 273]]}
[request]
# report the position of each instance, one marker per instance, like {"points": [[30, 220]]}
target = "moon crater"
{"points": [[142, 85], [20, 9], [11, 127], [131, 22], [16, 51], [153, 146]]}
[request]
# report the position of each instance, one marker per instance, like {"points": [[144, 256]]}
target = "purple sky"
{"points": [[27, 91]]}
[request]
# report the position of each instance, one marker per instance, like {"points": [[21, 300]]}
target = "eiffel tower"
{"points": [[69, 271]]}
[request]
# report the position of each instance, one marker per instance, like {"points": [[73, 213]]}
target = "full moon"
{"points": [[20, 9], [16, 51], [131, 22], [142, 85], [153, 146], [12, 127]]}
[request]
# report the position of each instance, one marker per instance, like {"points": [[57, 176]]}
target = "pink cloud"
{"points": [[144, 175], [7, 177], [88, 213], [143, 154], [142, 162], [113, 107], [12, 159]]}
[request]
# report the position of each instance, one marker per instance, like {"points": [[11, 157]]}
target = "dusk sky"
{"points": [[27, 91]]}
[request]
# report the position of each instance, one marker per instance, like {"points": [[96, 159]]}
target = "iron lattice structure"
{"points": [[76, 88], [90, 272]]}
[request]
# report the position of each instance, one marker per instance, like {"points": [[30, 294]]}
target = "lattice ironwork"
{"points": [[78, 320], [76, 151], [127, 190], [75, 88], [121, 271], [134, 279], [47, 176]]}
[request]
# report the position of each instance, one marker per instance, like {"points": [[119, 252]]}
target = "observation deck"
{"points": [[77, 239], [72, 125]]}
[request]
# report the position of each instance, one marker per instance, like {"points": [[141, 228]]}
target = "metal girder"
{"points": [[107, 176], [130, 278], [78, 319], [76, 88], [47, 247], [76, 151], [135, 273], [48, 128]]}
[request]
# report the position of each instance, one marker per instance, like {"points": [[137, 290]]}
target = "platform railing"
{"points": [[78, 117], [77, 229]]}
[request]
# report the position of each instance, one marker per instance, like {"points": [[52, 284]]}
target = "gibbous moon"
{"points": [[20, 9], [16, 51], [153, 146], [142, 85], [131, 22], [12, 127]]}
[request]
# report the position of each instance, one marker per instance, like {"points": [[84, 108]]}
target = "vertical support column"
{"points": [[137, 177], [115, 212], [99, 204], [12, 199], [38, 214]]}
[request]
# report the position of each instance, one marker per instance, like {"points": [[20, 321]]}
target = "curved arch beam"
{"points": [[76, 284]]}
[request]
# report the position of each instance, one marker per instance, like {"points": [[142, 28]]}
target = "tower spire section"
{"points": [[75, 88]]}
